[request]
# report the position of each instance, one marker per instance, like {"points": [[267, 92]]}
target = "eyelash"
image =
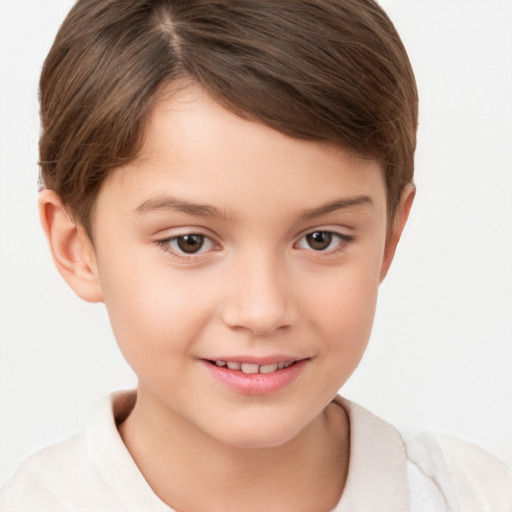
{"points": [[341, 241]]}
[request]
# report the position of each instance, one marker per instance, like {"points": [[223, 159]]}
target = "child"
{"points": [[231, 179]]}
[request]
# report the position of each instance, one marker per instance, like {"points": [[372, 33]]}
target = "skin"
{"points": [[256, 289]]}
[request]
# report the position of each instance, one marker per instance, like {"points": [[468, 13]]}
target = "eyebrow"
{"points": [[179, 205], [339, 204], [205, 210]]}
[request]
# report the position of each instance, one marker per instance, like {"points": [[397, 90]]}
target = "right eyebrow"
{"points": [[339, 204], [189, 208]]}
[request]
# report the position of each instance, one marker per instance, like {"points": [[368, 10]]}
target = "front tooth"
{"points": [[233, 366], [268, 368], [288, 364], [220, 363], [249, 368], [281, 365]]}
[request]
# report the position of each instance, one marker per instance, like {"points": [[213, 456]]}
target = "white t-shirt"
{"points": [[388, 472]]}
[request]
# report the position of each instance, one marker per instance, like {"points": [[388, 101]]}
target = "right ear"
{"points": [[71, 248]]}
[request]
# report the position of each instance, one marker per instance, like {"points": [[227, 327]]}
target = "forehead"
{"points": [[197, 150]]}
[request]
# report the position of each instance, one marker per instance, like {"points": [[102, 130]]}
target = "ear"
{"points": [[395, 231], [71, 248]]}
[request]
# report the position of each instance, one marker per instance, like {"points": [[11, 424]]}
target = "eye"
{"points": [[189, 244], [323, 241]]}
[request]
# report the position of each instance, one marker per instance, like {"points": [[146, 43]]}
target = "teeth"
{"points": [[249, 368], [253, 368], [268, 368]]}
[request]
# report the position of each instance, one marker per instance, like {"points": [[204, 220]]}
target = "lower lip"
{"points": [[256, 383]]}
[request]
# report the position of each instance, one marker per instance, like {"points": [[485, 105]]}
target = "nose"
{"points": [[258, 298]]}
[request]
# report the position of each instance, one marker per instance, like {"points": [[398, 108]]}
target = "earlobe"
{"points": [[72, 251], [395, 232]]}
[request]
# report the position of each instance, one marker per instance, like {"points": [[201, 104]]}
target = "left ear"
{"points": [[395, 231], [72, 250]]}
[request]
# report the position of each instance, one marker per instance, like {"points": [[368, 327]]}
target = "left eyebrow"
{"points": [[178, 205], [339, 204]]}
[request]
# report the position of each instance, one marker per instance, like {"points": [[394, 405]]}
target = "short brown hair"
{"points": [[323, 70]]}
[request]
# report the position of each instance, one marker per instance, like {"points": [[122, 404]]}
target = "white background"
{"points": [[440, 356]]}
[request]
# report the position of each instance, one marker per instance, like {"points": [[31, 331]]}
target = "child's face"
{"points": [[229, 241]]}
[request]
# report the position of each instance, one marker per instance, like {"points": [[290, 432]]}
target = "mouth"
{"points": [[250, 376], [253, 368]]}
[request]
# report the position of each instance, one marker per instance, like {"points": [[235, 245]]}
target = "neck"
{"points": [[191, 471]]}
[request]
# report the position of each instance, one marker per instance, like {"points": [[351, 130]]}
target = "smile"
{"points": [[251, 368], [251, 378]]}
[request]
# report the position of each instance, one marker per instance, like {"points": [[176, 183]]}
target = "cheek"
{"points": [[347, 319], [345, 331], [154, 313], [345, 308]]}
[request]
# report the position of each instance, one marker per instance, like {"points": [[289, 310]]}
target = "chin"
{"points": [[259, 434]]}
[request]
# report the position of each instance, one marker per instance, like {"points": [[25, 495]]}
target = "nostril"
{"points": [[258, 300]]}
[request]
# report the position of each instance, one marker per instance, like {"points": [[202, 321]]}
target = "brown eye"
{"points": [[189, 247], [190, 244], [319, 240]]}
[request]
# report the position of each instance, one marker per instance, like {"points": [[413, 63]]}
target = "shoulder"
{"points": [[73, 474], [430, 472], [38, 483], [467, 475], [92, 471]]}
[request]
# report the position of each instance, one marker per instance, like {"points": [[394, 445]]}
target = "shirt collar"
{"points": [[377, 472]]}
